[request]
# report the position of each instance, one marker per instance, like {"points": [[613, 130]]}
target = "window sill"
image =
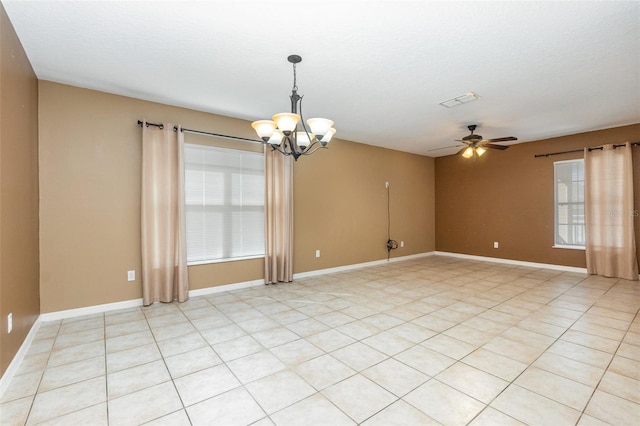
{"points": [[231, 259], [569, 247]]}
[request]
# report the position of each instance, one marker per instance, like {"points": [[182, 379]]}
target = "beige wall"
{"points": [[507, 196], [341, 205], [19, 273], [90, 190]]}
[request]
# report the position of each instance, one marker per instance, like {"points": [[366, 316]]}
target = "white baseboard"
{"points": [[319, 272], [514, 262], [89, 310], [97, 309], [225, 287], [19, 356]]}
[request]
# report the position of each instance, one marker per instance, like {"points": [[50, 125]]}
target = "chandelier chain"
{"points": [[295, 85]]}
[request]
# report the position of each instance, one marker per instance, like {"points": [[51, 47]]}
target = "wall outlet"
{"points": [[9, 322], [401, 243], [317, 253], [495, 244], [131, 275]]}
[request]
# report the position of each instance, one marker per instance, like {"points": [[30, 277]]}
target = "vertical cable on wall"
{"points": [[391, 244]]}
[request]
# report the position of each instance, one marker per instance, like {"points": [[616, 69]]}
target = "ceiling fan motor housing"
{"points": [[472, 137]]}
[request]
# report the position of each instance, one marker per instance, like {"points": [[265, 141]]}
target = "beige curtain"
{"points": [[278, 259], [164, 253], [609, 214]]}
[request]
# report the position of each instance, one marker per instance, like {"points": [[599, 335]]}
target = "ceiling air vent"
{"points": [[459, 100]]}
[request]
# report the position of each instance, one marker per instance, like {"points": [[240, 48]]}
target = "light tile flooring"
{"points": [[436, 340]]}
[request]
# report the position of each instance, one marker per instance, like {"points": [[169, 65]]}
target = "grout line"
{"points": [[607, 368]]}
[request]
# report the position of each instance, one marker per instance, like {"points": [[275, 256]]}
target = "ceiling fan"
{"points": [[476, 145]]}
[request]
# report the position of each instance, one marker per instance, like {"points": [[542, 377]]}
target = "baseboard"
{"points": [[89, 310], [18, 357], [97, 309], [514, 262], [319, 272], [225, 287]]}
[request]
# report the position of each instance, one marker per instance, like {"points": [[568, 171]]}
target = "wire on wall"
{"points": [[391, 244]]}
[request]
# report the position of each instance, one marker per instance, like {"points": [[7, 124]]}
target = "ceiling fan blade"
{"points": [[505, 139], [444, 147], [500, 147]]}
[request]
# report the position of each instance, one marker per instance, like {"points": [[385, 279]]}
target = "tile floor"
{"points": [[436, 340]]}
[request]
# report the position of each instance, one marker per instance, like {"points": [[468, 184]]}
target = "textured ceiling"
{"points": [[379, 69]]}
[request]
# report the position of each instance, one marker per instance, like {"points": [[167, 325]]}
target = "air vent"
{"points": [[460, 100]]}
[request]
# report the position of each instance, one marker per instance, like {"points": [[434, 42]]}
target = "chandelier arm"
{"points": [[291, 140], [308, 151], [304, 127], [277, 148]]}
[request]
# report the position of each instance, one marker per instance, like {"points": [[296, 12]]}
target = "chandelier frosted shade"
{"points": [[286, 122], [303, 139], [264, 128], [468, 153], [480, 150], [319, 126], [276, 138], [327, 136]]}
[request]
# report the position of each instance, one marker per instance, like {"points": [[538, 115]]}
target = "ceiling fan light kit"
{"points": [[287, 133]]}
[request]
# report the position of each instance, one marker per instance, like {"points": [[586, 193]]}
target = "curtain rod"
{"points": [[201, 132], [593, 148]]}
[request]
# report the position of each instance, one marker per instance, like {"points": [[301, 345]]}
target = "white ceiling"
{"points": [[377, 68]]}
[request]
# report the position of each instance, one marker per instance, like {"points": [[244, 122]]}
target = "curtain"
{"points": [[164, 253], [609, 214], [278, 259]]}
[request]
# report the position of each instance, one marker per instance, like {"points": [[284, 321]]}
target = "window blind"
{"points": [[224, 200]]}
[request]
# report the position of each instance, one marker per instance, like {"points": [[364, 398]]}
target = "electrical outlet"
{"points": [[401, 243], [495, 244], [9, 322], [317, 253], [131, 275], [386, 184]]}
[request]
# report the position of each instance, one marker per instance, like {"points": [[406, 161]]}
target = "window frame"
{"points": [[556, 204]]}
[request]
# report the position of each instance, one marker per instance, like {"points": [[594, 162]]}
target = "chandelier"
{"points": [[287, 132]]}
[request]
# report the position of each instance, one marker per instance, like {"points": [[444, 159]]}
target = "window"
{"points": [[224, 197], [569, 204]]}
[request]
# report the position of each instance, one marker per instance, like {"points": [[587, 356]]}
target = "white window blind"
{"points": [[224, 197], [569, 204]]}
